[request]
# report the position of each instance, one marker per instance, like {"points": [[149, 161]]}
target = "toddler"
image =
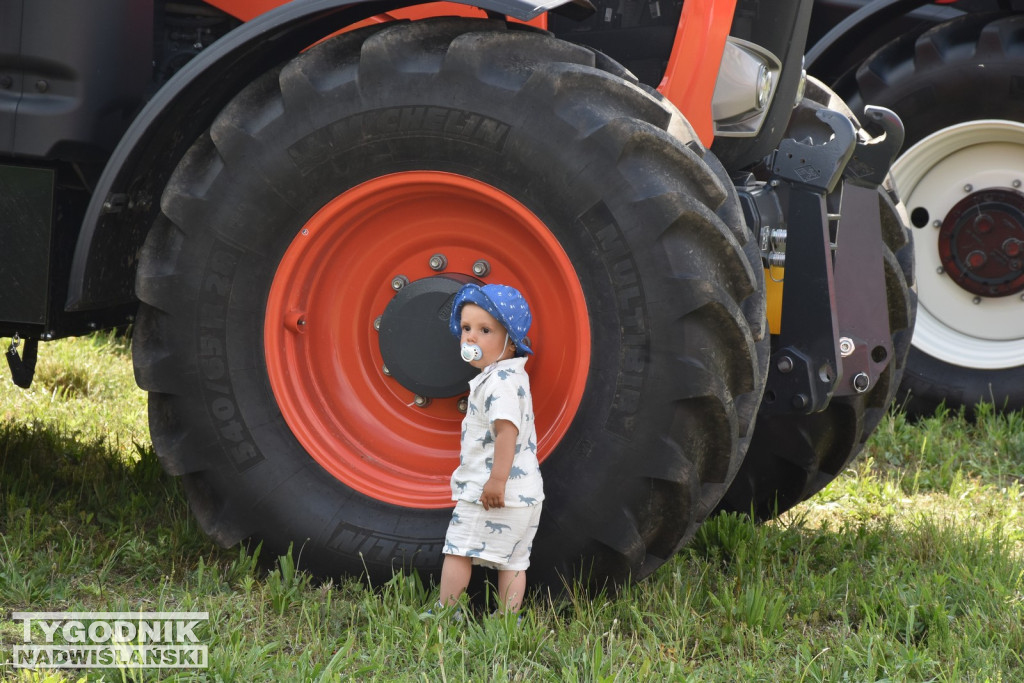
{"points": [[497, 486]]}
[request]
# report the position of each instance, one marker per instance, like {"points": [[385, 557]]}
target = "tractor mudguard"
{"points": [[126, 198], [848, 36]]}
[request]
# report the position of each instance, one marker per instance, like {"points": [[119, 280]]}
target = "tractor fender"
{"points": [[126, 198], [868, 27]]}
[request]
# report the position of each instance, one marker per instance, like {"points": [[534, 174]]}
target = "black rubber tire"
{"points": [[614, 172], [967, 69], [792, 457]]}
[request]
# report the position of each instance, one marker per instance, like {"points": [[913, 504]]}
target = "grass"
{"points": [[908, 567]]}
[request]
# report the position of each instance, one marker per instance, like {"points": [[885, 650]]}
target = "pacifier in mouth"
{"points": [[471, 352]]}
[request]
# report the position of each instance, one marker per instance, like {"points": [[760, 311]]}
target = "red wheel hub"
{"points": [[981, 243], [394, 436]]}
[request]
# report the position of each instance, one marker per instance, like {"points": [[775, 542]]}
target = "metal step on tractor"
{"points": [[954, 73], [281, 199]]}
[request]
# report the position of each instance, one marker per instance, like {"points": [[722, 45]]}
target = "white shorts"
{"points": [[500, 538]]}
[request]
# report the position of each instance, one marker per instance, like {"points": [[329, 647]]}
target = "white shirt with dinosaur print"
{"points": [[500, 392]]}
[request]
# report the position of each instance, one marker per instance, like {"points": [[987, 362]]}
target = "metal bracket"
{"points": [[805, 365], [23, 368], [817, 166], [872, 159], [860, 289]]}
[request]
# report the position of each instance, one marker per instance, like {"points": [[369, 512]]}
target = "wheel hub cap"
{"points": [[416, 343], [980, 243]]}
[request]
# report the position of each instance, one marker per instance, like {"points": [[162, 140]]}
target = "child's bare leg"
{"points": [[455, 574], [511, 588]]}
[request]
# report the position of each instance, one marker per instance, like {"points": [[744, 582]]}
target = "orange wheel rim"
{"points": [[335, 280]]}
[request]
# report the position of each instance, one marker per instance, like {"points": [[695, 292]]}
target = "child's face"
{"points": [[479, 327]]}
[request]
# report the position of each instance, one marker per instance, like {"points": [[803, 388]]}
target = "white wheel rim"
{"points": [[954, 325]]}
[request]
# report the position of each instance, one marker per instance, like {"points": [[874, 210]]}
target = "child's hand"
{"points": [[493, 495]]}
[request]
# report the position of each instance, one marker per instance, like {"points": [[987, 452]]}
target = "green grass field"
{"points": [[908, 567]]}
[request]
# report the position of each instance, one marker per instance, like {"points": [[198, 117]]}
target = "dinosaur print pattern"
{"points": [[500, 538], [500, 392]]}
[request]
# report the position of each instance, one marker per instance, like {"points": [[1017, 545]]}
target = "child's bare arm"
{"points": [[505, 435]]}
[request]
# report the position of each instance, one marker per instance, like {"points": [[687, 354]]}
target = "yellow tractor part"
{"points": [[773, 279]]}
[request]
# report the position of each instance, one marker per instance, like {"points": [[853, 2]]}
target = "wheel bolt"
{"points": [[463, 405], [376, 323], [438, 262], [385, 370], [398, 282], [968, 187], [976, 300], [1016, 183], [481, 268], [421, 401], [785, 364]]}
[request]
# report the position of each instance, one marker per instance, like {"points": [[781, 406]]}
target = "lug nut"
{"points": [[968, 187], [463, 405], [481, 268], [385, 370], [438, 262], [398, 282], [421, 401], [784, 364], [376, 323]]}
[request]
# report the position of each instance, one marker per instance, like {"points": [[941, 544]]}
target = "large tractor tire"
{"points": [[957, 88], [293, 328], [793, 456]]}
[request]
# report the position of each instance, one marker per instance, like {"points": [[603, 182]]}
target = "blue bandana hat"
{"points": [[505, 303]]}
